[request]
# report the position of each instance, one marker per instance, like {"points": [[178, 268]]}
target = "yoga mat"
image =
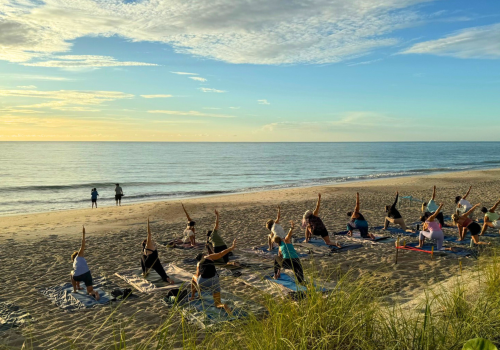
{"points": [[12, 316], [428, 248], [153, 282], [203, 312], [179, 244], [269, 254], [64, 297]]}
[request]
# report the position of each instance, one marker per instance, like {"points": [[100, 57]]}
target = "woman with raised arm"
{"points": [[81, 271], [464, 223], [358, 221], [463, 205], [313, 225], [215, 243], [288, 257], [491, 218], [190, 231], [150, 259], [393, 215], [432, 230], [207, 278], [431, 207], [275, 228]]}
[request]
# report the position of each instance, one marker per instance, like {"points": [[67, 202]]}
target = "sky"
{"points": [[249, 71]]}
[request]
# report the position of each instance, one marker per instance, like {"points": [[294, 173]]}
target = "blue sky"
{"points": [[343, 70]]}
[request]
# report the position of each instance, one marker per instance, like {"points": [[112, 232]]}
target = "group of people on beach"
{"points": [[118, 196], [217, 252]]}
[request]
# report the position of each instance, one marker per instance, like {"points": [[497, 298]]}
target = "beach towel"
{"points": [[179, 244], [427, 248], [12, 316], [265, 253], [153, 282], [64, 297], [203, 312]]}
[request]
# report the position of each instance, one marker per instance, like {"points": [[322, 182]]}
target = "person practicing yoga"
{"points": [[93, 196], [207, 278], [463, 205], [431, 207], [215, 243], [490, 218], [118, 194], [313, 225], [464, 223], [81, 271], [190, 231], [432, 230], [275, 228], [150, 259], [287, 257], [358, 222], [393, 215]]}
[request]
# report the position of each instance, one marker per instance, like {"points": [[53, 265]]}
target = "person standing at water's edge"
{"points": [[118, 194], [94, 195]]}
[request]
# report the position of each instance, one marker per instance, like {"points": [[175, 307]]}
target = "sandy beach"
{"points": [[36, 248]]}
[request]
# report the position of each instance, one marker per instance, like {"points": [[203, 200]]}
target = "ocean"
{"points": [[47, 176]]}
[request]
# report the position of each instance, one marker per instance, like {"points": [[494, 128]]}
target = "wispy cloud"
{"points": [[192, 114], [183, 73], [364, 62], [27, 87], [212, 90], [234, 107], [156, 96], [263, 102], [255, 32], [33, 77], [85, 61], [478, 42], [198, 79]]}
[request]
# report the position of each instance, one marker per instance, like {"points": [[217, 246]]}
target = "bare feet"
{"points": [[418, 246], [171, 281], [277, 275]]}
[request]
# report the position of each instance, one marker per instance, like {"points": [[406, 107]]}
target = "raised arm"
{"points": [[289, 235], [82, 247], [468, 191], [434, 193], [218, 256], [396, 200], [471, 210], [279, 215], [433, 216], [356, 208], [494, 208], [316, 211], [148, 240], [185, 211], [216, 226]]}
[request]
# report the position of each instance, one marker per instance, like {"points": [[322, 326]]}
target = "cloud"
{"points": [[67, 100], [198, 79], [211, 108], [263, 102], [212, 90], [34, 77], [364, 62], [192, 114], [156, 96], [234, 107], [184, 73], [345, 122], [85, 61], [478, 42], [27, 87], [255, 32]]}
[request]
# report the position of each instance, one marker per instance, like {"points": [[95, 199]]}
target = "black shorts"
{"points": [[94, 200], [474, 228], [118, 197], [220, 249], [322, 233], [85, 278]]}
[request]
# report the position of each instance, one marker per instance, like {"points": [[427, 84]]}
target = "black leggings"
{"points": [[439, 217], [291, 264], [152, 261]]}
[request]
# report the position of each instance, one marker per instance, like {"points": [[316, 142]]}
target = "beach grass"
{"points": [[352, 315]]}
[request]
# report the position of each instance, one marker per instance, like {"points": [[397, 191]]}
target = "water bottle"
{"points": [[471, 243]]}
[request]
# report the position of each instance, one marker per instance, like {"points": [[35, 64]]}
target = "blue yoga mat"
{"points": [[428, 248], [265, 251], [289, 282]]}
